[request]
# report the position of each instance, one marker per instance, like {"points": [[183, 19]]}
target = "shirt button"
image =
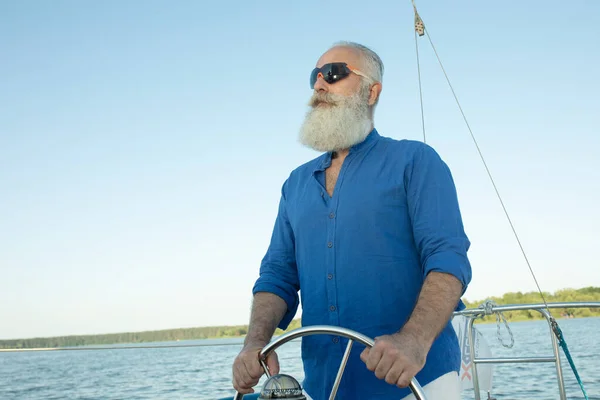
{"points": [[322, 194], [330, 245], [335, 339], [329, 276], [332, 308], [332, 215]]}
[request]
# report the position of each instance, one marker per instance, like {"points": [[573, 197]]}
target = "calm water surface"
{"points": [[205, 372]]}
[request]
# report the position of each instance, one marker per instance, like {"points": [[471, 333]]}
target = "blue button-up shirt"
{"points": [[359, 257]]}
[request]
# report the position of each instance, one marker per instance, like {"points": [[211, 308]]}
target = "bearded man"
{"points": [[371, 235]]}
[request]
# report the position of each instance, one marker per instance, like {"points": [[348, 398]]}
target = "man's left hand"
{"points": [[396, 358]]}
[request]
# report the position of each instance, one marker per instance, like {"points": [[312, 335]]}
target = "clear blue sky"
{"points": [[143, 145]]}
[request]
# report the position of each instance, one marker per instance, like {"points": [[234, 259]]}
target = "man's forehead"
{"points": [[340, 54]]}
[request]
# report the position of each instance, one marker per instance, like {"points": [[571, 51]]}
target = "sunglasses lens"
{"points": [[331, 73], [313, 77]]}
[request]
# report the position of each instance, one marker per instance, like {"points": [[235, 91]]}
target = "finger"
{"points": [[273, 363], [240, 379], [241, 389], [394, 373], [255, 371], [250, 372], [404, 379], [245, 391], [384, 365], [364, 355], [374, 357], [254, 368]]}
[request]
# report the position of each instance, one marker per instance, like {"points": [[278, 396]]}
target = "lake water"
{"points": [[205, 372]]}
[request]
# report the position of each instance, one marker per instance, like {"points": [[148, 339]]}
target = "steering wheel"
{"points": [[353, 336]]}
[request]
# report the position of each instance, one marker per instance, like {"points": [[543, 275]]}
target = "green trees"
{"points": [[564, 295]]}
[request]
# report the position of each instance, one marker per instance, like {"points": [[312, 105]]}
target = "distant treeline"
{"points": [[588, 294], [566, 295]]}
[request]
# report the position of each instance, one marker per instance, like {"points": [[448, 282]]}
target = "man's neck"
{"points": [[340, 154]]}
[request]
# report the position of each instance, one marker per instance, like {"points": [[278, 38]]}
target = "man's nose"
{"points": [[320, 84]]}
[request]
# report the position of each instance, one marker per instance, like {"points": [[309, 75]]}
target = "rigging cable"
{"points": [[484, 163], [421, 30]]}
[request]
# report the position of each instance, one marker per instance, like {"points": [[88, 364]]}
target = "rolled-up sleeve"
{"points": [[278, 272], [436, 218]]}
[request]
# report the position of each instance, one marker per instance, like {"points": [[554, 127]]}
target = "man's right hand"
{"points": [[247, 369]]}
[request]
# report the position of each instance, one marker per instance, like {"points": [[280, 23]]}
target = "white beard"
{"points": [[339, 124]]}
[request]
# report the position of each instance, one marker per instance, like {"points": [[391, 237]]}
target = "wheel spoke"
{"points": [[351, 335], [264, 365], [338, 378]]}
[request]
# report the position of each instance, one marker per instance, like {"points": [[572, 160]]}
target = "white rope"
{"points": [[488, 307]]}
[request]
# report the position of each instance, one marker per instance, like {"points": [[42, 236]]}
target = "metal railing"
{"points": [[473, 314]]}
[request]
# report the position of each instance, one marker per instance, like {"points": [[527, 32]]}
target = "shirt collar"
{"points": [[368, 142], [371, 138]]}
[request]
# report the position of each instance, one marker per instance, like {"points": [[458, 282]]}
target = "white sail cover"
{"points": [[484, 371]]}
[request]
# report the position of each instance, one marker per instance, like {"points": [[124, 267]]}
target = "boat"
{"points": [[476, 371]]}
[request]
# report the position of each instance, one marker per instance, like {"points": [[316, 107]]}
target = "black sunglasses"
{"points": [[333, 72]]}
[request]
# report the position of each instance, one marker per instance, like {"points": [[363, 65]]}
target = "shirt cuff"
{"points": [[453, 263]]}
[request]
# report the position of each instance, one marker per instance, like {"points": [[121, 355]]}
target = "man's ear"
{"points": [[374, 93]]}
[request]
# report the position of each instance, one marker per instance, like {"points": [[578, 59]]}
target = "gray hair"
{"points": [[373, 64]]}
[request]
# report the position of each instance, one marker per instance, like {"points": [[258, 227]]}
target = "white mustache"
{"points": [[325, 98]]}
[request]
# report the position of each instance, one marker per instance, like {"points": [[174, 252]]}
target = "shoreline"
{"points": [[148, 344], [590, 294]]}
